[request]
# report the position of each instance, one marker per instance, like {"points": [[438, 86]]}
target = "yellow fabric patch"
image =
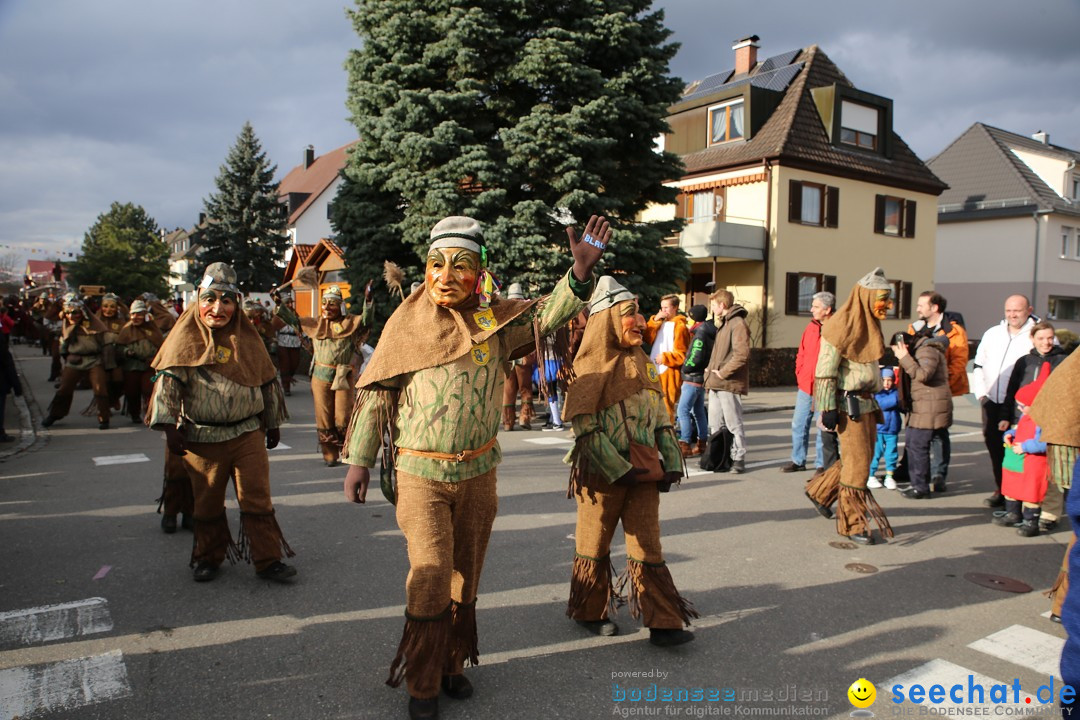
{"points": [[650, 370], [485, 319], [222, 354], [86, 324], [336, 327], [481, 354]]}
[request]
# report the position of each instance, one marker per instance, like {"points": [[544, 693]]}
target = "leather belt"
{"points": [[460, 457]]}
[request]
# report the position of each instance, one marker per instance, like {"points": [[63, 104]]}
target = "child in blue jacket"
{"points": [[888, 432]]}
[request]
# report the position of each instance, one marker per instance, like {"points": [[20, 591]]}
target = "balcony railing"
{"points": [[713, 239]]}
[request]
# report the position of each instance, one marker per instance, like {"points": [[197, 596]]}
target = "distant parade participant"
{"points": [[136, 344], [518, 380], [846, 379], [113, 319], [217, 399], [444, 434], [625, 454], [82, 344], [336, 338], [259, 317], [46, 313], [288, 346]]}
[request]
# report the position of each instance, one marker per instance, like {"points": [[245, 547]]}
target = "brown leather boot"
{"points": [[701, 445], [685, 449]]}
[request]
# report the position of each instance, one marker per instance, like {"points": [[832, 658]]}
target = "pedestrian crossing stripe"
{"points": [[121, 459], [947, 674], [1023, 646], [32, 626], [550, 441], [64, 685]]}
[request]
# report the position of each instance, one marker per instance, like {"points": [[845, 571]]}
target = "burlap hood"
{"points": [[235, 351], [91, 325], [421, 334], [133, 333], [337, 329], [1057, 407], [854, 330], [605, 372]]}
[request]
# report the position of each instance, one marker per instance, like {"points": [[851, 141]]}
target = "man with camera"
{"points": [[922, 357]]}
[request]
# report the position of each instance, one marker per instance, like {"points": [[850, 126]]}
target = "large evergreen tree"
{"points": [[245, 222], [123, 251], [525, 115]]}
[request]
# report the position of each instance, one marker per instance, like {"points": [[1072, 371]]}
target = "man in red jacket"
{"points": [[805, 363]]}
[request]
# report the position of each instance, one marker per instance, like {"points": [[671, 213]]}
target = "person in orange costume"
{"points": [[670, 339]]}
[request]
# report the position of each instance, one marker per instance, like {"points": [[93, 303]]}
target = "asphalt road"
{"points": [[99, 616]]}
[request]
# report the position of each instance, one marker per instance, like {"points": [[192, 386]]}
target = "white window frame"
{"points": [[862, 120]]}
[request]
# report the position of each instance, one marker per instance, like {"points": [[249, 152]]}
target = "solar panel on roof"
{"points": [[778, 61], [778, 80]]}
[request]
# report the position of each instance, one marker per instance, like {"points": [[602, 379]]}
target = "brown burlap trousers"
{"points": [[137, 389], [518, 382], [69, 379], [288, 363], [845, 481], [176, 494], [1061, 584], [332, 411], [446, 526], [210, 466], [651, 591]]}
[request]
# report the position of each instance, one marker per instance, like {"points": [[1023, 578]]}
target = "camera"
{"points": [[902, 338]]}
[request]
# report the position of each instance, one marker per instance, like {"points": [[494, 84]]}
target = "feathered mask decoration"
{"points": [[394, 277]]}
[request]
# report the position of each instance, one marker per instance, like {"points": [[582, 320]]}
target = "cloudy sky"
{"points": [[136, 101]]}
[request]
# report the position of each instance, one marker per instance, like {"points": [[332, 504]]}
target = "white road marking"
{"points": [[946, 674], [282, 446], [550, 441], [64, 685], [121, 459], [1022, 645], [54, 622]]}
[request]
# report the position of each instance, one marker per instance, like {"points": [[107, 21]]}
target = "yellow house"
{"points": [[795, 182], [329, 262]]}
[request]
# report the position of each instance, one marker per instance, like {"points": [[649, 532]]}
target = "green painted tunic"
{"points": [[327, 354], [136, 356], [195, 397], [83, 350], [835, 373], [604, 438], [456, 406]]}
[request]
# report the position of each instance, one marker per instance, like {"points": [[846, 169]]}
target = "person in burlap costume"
{"points": [[443, 435], [113, 318], [265, 325], [82, 343], [47, 312], [1056, 410], [336, 339], [846, 378], [518, 380], [217, 399], [288, 344], [617, 407], [137, 342]]}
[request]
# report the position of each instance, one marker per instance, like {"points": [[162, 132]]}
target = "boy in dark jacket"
{"points": [[888, 432], [691, 410]]}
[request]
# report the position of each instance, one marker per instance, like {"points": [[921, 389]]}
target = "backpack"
{"points": [[717, 455]]}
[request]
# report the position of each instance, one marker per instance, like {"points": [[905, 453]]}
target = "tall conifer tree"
{"points": [[245, 222], [123, 251], [525, 115]]}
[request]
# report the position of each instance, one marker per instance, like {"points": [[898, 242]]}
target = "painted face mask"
{"points": [[882, 304], [216, 308], [451, 275], [631, 325]]}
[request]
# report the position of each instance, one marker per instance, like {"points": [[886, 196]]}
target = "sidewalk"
{"points": [[770, 399]]}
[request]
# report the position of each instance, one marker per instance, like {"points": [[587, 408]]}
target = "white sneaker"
{"points": [[873, 483], [890, 484]]}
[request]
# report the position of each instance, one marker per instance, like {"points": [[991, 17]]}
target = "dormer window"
{"points": [[859, 125], [726, 122]]}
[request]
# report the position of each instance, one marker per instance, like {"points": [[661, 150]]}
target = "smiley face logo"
{"points": [[862, 693]]}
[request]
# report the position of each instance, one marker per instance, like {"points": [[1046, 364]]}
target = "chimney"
{"points": [[745, 54], [202, 219], [1042, 137], [309, 156]]}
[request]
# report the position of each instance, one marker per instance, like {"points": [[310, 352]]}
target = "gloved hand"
{"points": [[175, 440], [356, 483], [273, 437], [630, 478], [829, 419]]}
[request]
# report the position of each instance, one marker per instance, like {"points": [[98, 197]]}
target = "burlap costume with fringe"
{"points": [[82, 346], [443, 441], [615, 398], [237, 354], [131, 343], [854, 334]]}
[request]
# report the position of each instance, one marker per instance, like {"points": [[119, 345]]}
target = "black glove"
{"points": [[630, 478], [829, 419], [273, 437], [175, 440]]}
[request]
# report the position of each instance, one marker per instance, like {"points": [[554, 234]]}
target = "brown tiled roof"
{"points": [[985, 176], [299, 258], [313, 180], [795, 134]]}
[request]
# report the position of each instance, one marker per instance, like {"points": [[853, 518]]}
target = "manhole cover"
{"points": [[841, 545], [998, 582], [861, 568]]}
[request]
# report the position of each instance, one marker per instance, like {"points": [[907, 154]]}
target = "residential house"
{"points": [[1009, 223], [44, 272], [308, 191], [795, 182], [329, 262], [183, 249]]}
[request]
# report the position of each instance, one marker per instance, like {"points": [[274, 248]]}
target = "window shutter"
{"points": [[791, 302], [909, 218], [879, 214], [905, 300], [832, 206], [829, 284], [795, 201]]}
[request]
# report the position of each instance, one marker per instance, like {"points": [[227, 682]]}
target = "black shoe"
{"points": [[423, 709], [103, 425], [792, 467], [1048, 525], [1055, 618], [278, 572], [1008, 519], [186, 522], [997, 500], [663, 637], [6, 438], [47, 422], [332, 463], [288, 392], [606, 628], [914, 494], [863, 538], [937, 484], [738, 466], [1028, 528], [457, 686], [168, 524], [825, 512], [205, 572]]}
